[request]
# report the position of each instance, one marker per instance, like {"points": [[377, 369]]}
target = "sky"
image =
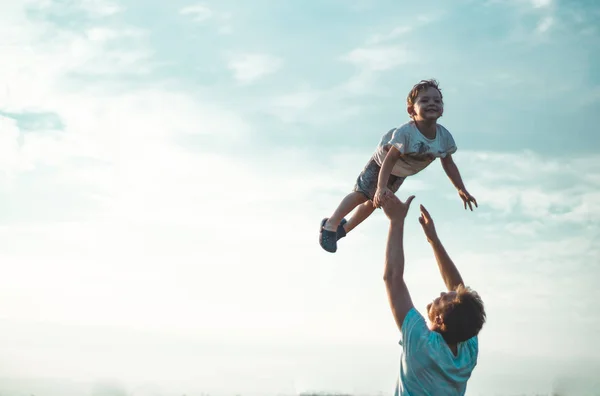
{"points": [[164, 167]]}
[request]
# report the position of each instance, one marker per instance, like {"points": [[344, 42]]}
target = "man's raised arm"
{"points": [[398, 295], [448, 270]]}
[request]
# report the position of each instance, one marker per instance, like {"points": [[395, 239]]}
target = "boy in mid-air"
{"points": [[401, 152]]}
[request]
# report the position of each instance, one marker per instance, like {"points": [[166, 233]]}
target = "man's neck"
{"points": [[427, 128], [453, 348]]}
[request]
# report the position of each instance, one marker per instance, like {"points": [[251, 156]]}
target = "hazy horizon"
{"points": [[164, 167]]}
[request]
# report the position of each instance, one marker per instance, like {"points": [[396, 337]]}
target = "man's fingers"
{"points": [[409, 200]]}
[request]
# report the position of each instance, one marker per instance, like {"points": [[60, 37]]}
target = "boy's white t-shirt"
{"points": [[418, 151], [428, 366]]}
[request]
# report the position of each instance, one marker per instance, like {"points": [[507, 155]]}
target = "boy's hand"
{"points": [[394, 208], [427, 224], [380, 194], [467, 199]]}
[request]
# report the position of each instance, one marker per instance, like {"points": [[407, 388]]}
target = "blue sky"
{"points": [[165, 166]]}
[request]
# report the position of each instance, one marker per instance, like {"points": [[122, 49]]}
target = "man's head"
{"points": [[425, 101], [457, 315]]}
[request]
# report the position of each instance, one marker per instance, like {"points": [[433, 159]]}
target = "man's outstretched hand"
{"points": [[394, 208], [427, 224]]}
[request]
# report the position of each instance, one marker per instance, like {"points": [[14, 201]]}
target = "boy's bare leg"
{"points": [[362, 212], [348, 204]]}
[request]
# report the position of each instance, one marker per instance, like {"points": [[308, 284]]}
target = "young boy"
{"points": [[402, 152]]}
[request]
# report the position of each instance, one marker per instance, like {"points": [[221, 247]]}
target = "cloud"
{"points": [[378, 54], [379, 58], [330, 105], [198, 12], [532, 187], [250, 67], [10, 158], [393, 34], [545, 24], [100, 7], [102, 123], [106, 34], [202, 13], [536, 4], [541, 3], [93, 8], [110, 52]]}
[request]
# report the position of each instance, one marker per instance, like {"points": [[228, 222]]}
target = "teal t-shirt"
{"points": [[428, 366]]}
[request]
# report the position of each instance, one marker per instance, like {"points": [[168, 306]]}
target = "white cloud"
{"points": [[104, 34], [394, 33], [10, 159], [320, 106], [202, 13], [535, 187], [541, 3], [545, 24], [292, 106], [102, 121], [30, 86], [250, 67], [100, 7], [199, 12], [94, 8], [379, 58]]}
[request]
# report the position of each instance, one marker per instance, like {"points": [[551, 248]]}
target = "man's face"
{"points": [[436, 307], [428, 105]]}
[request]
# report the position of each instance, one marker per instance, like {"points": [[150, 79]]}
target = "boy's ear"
{"points": [[410, 109]]}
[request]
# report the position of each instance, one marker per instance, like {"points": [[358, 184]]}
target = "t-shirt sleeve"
{"points": [[449, 143], [414, 331], [400, 139]]}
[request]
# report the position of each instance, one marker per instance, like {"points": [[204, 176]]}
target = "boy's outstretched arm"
{"points": [[452, 171], [448, 270], [391, 157], [398, 295]]}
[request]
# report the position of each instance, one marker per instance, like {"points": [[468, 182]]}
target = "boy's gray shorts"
{"points": [[366, 182]]}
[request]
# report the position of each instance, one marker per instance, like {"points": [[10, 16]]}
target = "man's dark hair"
{"points": [[463, 317]]}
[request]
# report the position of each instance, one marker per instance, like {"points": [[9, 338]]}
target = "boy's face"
{"points": [[428, 105]]}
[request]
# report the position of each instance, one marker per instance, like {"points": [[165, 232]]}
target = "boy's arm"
{"points": [[398, 295], [452, 171], [448, 270], [390, 159]]}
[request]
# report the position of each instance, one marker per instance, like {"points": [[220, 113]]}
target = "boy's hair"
{"points": [[464, 316], [420, 87]]}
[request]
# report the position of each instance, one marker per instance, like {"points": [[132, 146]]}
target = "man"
{"points": [[437, 358]]}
